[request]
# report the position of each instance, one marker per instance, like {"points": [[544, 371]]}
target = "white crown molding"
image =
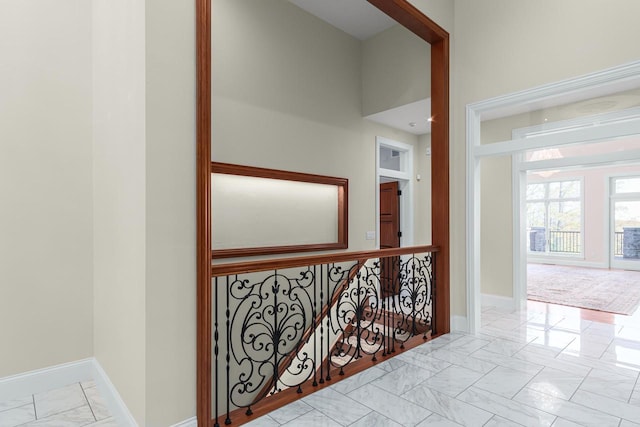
{"points": [[592, 81]]}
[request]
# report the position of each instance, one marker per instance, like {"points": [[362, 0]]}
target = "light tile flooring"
{"points": [[78, 404], [546, 366]]}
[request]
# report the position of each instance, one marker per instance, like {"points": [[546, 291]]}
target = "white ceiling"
{"points": [[355, 17], [417, 113]]}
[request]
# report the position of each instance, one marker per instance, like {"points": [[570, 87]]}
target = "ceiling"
{"points": [[412, 118], [355, 17]]}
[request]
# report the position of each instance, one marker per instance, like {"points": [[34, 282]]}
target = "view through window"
{"points": [[554, 217], [625, 201]]}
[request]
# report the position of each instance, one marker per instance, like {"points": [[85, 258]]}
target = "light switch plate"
{"points": [[371, 235]]}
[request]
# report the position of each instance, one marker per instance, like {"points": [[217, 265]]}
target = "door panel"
{"points": [[389, 234]]}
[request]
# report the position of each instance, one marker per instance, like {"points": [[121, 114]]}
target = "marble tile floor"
{"points": [[545, 366], [75, 405]]}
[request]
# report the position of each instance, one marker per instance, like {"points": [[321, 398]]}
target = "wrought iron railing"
{"points": [[283, 328], [564, 241], [618, 244]]}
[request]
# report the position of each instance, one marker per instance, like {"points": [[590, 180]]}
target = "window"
{"points": [[554, 217], [625, 210]]}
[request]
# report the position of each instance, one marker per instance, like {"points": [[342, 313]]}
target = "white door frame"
{"points": [[584, 87], [405, 184]]}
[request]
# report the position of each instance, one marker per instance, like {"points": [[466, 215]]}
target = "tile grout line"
{"points": [[35, 410], [633, 390], [84, 393], [514, 401]]}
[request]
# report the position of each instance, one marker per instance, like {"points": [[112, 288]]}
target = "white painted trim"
{"points": [[473, 252], [596, 133], [191, 422], [601, 82], [566, 261], [114, 401], [576, 122], [614, 158], [518, 190], [459, 324], [41, 380], [598, 79], [53, 377], [499, 301]]}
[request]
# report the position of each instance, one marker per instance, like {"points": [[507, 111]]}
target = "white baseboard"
{"points": [[459, 324], [41, 380], [499, 301], [566, 261], [191, 422], [108, 391]]}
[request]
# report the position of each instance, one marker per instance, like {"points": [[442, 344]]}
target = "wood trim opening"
{"points": [[342, 232], [410, 17]]}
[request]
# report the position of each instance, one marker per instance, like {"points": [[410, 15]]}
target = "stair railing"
{"points": [[283, 328]]}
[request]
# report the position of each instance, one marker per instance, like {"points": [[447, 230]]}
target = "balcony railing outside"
{"points": [[558, 241], [286, 327], [564, 241]]}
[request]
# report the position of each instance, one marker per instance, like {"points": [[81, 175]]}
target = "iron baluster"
{"points": [[315, 341], [275, 337], [434, 278], [228, 315], [329, 298], [322, 328], [394, 295], [414, 299], [215, 352]]}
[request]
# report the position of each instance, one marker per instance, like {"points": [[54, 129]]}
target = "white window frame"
{"points": [[546, 201]]}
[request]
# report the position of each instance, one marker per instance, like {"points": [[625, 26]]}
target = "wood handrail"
{"points": [[218, 270]]}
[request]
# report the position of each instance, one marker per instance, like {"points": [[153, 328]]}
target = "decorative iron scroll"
{"points": [[295, 328]]}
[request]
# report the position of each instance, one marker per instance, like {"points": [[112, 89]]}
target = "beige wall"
{"points": [[45, 184], [423, 190], [396, 69], [301, 112], [501, 47], [496, 222], [170, 217], [119, 197]]}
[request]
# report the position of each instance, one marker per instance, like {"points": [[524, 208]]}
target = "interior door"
{"points": [[389, 235]]}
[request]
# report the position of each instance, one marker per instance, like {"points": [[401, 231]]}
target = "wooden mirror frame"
{"points": [[342, 184], [410, 17]]}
